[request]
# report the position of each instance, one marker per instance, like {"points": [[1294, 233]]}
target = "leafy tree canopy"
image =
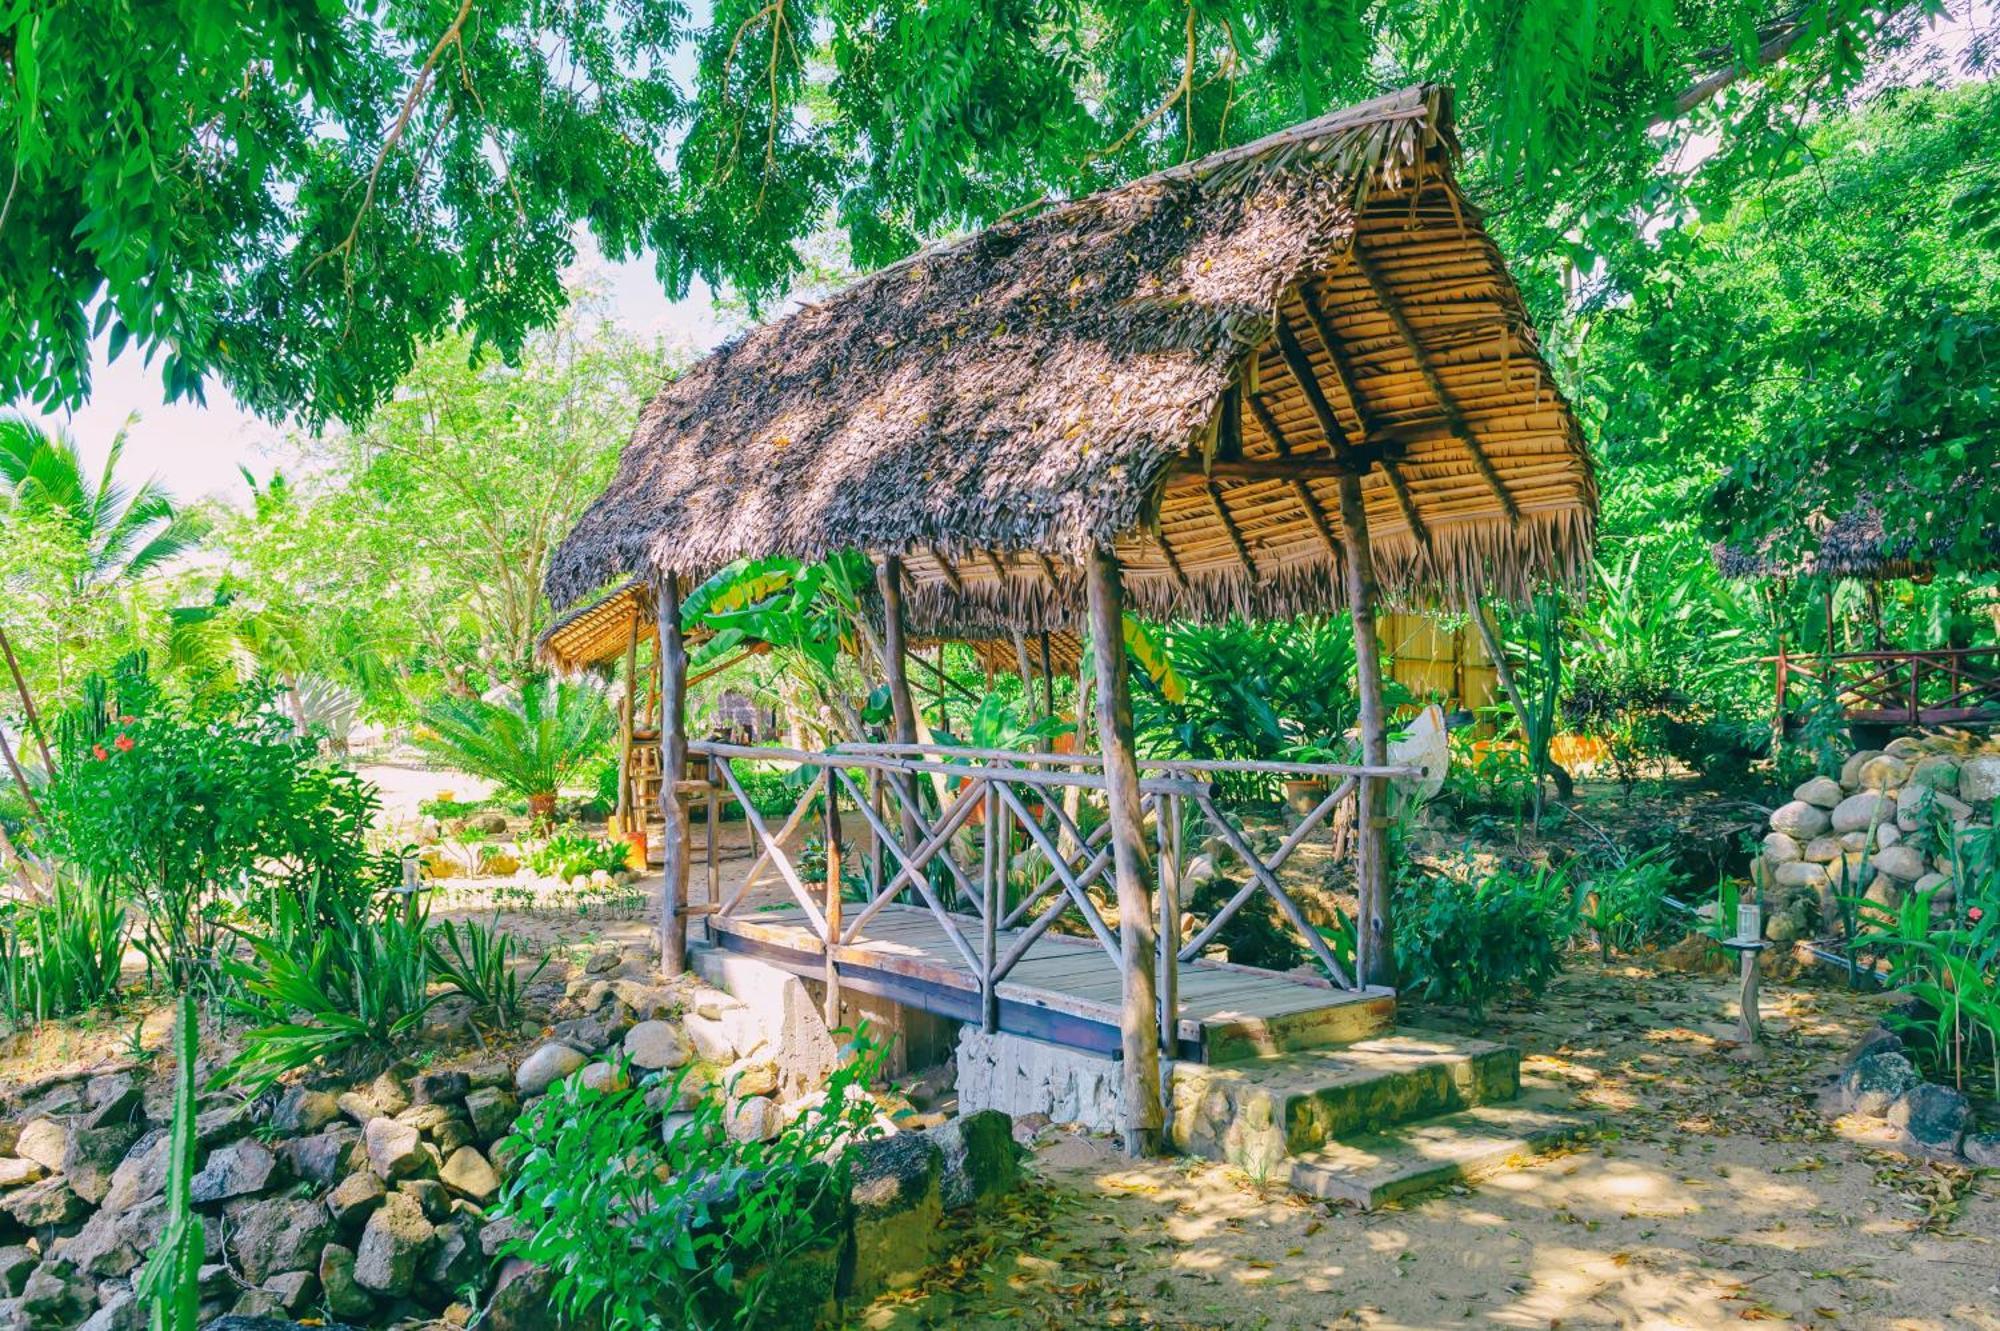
{"points": [[291, 197]]}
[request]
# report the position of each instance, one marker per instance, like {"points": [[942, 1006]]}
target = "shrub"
{"points": [[184, 804], [479, 964], [531, 742], [698, 1230], [1631, 905], [62, 955], [1467, 940], [570, 852]]}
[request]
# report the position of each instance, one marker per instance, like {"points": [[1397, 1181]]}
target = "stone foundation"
{"points": [[1017, 1076]]}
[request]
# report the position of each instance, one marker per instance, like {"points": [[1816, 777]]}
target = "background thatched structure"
{"points": [[1857, 544], [1181, 367]]}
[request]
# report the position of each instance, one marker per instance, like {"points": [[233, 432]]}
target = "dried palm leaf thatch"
{"points": [[1182, 367], [1860, 544]]}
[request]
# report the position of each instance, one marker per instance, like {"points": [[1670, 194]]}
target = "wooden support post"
{"points": [[1138, 1020], [896, 666], [994, 826], [626, 710], [1167, 835], [674, 841], [1374, 929], [833, 899], [1048, 679]]}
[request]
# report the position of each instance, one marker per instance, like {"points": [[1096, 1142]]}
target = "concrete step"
{"points": [[1257, 1113], [1381, 1167]]}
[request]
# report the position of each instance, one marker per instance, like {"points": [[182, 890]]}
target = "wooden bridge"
{"points": [[974, 861], [1947, 686]]}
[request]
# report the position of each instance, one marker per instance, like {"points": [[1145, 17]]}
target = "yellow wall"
{"points": [[1434, 662]]}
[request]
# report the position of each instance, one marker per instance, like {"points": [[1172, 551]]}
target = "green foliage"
{"points": [[170, 1285], [189, 806], [1467, 939], [694, 1230], [570, 851], [61, 955], [479, 963], [1631, 905], [531, 742], [359, 985], [997, 723]]}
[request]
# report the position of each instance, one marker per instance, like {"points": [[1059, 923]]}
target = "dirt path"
{"points": [[1721, 1198]]}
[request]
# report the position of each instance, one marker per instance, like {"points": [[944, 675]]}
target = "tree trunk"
{"points": [[674, 841], [1374, 927], [1138, 1019]]}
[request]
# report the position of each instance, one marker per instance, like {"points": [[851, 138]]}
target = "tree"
{"points": [[294, 198]]}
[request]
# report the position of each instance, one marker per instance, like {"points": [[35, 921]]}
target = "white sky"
{"points": [[196, 450]]}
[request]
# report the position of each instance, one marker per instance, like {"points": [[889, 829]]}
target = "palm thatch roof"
{"points": [[1861, 543], [1181, 367]]}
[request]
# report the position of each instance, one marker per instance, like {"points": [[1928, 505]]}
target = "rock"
{"points": [[260, 1308], [1822, 850], [1888, 834], [52, 1299], [650, 1002], [301, 1112], [1799, 820], [1870, 1085], [1918, 807], [50, 1202], [273, 1235], [1936, 772], [468, 1174], [1858, 813], [120, 1310], [1883, 772], [893, 1192], [595, 1033], [603, 961], [1979, 780], [1821, 791], [344, 1297], [493, 1072], [712, 1003], [354, 1199], [241, 1169], [977, 1158], [710, 1040], [327, 1157], [656, 1045], [427, 1119], [1800, 873], [17, 1173], [16, 1264], [1979, 1148], [1901, 862], [496, 1234], [750, 1077], [1779, 848], [753, 1119], [1785, 927], [395, 1150], [114, 1099], [394, 1242], [142, 1174], [220, 1125], [294, 1289], [1937, 883], [43, 1141], [1853, 843], [601, 1076], [493, 1112], [1884, 891], [440, 1088], [431, 1195], [114, 1243], [452, 1134], [1931, 1119], [520, 1297], [546, 1066], [454, 1260], [92, 1155], [1850, 771]]}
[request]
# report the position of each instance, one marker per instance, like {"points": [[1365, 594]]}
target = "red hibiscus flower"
{"points": [[1975, 915], [126, 720], [124, 743], [97, 752]]}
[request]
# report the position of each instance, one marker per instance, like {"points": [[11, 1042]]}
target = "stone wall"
{"points": [[1878, 831]]}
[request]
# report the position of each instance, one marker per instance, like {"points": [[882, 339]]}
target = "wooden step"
{"points": [[1375, 1168], [1257, 1113]]}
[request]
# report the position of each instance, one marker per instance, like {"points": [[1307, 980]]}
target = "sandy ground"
{"points": [[405, 787], [1720, 1196]]}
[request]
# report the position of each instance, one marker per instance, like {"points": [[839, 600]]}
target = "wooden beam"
{"points": [[999, 569], [1371, 431], [1229, 526], [950, 571], [1048, 569], [1139, 1034], [1310, 504], [1375, 957], [1454, 418], [674, 842], [1338, 441], [1229, 429], [1269, 425], [1268, 469], [1173, 564]]}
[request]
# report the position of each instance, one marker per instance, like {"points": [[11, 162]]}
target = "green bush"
{"points": [[532, 742], [479, 964], [194, 808], [1632, 904], [1465, 941], [569, 852], [62, 955], [696, 1230]]}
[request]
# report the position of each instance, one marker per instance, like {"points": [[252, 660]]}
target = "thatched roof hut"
{"points": [[1857, 544], [1181, 368]]}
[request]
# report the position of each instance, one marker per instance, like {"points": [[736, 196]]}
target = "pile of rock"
{"points": [[1874, 832], [1879, 1082], [368, 1204]]}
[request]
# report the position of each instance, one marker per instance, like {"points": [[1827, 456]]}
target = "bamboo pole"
{"points": [[674, 843], [1374, 928], [625, 715], [833, 898], [1139, 1033]]}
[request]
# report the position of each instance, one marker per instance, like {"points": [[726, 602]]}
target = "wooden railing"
{"points": [[955, 830], [1947, 686]]}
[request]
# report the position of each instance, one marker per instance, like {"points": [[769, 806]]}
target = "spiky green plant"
{"points": [[170, 1284], [530, 742]]}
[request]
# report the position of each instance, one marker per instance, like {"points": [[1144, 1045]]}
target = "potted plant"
{"points": [[1303, 792]]}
